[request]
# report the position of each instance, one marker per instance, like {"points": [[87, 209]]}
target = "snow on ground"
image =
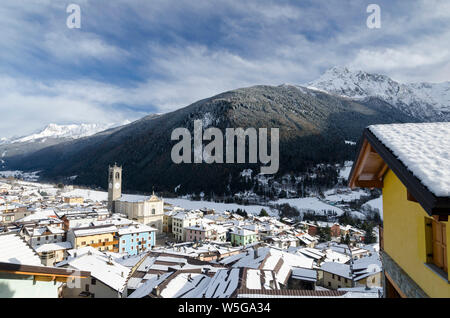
{"points": [[347, 196], [30, 176], [344, 173], [96, 196], [358, 215], [194, 205], [304, 204], [376, 205]]}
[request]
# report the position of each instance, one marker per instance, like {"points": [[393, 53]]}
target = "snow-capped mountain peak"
{"points": [[65, 131], [428, 101]]}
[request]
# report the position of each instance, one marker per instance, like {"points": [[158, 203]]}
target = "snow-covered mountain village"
{"points": [[78, 242]]}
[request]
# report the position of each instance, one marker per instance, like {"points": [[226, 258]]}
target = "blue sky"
{"points": [[131, 57]]}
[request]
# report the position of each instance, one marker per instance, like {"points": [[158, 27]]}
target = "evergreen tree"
{"points": [[347, 239], [263, 213], [369, 237]]}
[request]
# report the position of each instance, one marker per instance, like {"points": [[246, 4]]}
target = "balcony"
{"points": [[95, 245]]}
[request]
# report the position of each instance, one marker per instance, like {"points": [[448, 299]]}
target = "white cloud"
{"points": [[255, 42]]}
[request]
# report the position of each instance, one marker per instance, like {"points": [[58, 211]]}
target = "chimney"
{"points": [[156, 291], [272, 284]]}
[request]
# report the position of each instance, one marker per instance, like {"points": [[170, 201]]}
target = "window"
{"points": [[339, 278], [93, 281], [437, 244], [153, 211]]}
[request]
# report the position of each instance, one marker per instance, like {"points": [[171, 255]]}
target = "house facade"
{"points": [[406, 162], [181, 221], [243, 237], [103, 238], [136, 238]]}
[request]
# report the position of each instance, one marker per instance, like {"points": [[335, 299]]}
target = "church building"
{"points": [[143, 209]]}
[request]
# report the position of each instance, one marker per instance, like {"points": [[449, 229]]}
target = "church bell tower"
{"points": [[114, 185]]}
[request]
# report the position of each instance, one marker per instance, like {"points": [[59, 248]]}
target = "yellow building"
{"points": [[102, 238], [74, 200], [410, 163]]}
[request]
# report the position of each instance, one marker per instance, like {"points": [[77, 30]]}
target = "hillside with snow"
{"points": [[427, 101]]}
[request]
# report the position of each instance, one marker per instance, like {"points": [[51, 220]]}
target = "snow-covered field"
{"points": [[188, 204], [376, 205], [87, 194], [302, 204], [29, 176], [312, 203], [344, 173], [333, 196]]}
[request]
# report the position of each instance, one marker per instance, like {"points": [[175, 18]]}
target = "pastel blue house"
{"points": [[136, 238]]}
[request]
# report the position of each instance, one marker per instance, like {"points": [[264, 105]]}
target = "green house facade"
{"points": [[243, 237]]}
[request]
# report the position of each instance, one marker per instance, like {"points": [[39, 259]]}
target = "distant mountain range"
{"points": [[64, 131], [50, 135], [316, 123], [426, 101]]}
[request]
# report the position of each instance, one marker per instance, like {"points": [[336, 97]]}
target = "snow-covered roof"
{"points": [[146, 288], [312, 253], [13, 249], [423, 148], [94, 230], [223, 283], [133, 198], [186, 285], [107, 271], [243, 232], [304, 274], [261, 279], [342, 270], [39, 231], [53, 247], [136, 228]]}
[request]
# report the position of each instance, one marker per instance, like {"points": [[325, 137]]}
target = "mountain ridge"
{"points": [[427, 101], [313, 129]]}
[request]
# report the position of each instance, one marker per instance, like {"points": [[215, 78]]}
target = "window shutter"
{"points": [[444, 244], [439, 245]]}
